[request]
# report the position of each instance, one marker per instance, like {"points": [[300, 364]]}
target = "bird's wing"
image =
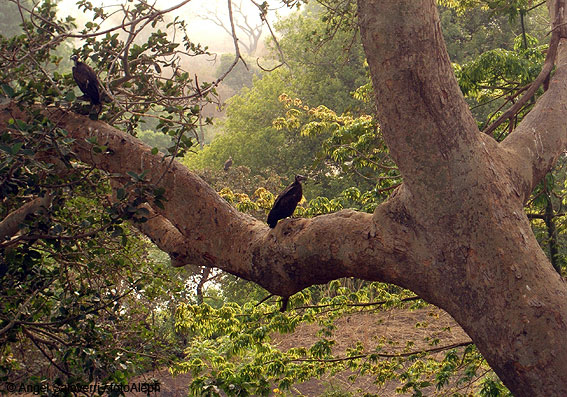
{"points": [[93, 89], [283, 195], [287, 201], [86, 79], [92, 84], [81, 79]]}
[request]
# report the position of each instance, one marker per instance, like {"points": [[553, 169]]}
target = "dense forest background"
{"points": [[86, 298]]}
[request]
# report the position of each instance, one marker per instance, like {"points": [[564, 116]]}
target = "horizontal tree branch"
{"points": [[10, 225], [199, 227]]}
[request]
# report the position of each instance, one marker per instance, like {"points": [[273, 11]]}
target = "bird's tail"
{"points": [[271, 222], [95, 111]]}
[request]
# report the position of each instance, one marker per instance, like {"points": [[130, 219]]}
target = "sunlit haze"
{"points": [[194, 13]]}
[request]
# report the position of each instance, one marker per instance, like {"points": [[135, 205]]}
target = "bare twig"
{"points": [[276, 42]]}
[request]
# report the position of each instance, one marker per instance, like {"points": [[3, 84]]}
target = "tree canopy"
{"points": [[411, 201]]}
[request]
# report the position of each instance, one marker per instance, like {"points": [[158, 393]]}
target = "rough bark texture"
{"points": [[455, 232], [465, 192]]}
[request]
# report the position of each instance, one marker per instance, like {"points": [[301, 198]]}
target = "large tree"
{"points": [[454, 232]]}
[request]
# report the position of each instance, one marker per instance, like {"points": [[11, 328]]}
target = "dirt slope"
{"points": [[398, 325]]}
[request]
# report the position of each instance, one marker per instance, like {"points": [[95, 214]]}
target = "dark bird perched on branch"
{"points": [[286, 202], [86, 79], [228, 163]]}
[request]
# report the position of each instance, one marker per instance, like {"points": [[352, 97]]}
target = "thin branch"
{"points": [[33, 339], [535, 6], [49, 335], [363, 304], [61, 37], [136, 21], [73, 237], [542, 216], [72, 318], [281, 54], [383, 355], [14, 321], [335, 306], [237, 58]]}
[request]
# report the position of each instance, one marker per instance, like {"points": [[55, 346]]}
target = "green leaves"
{"points": [[499, 71], [8, 91], [70, 96], [234, 348]]}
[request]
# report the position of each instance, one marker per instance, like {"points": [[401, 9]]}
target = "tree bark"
{"points": [[455, 232], [10, 225], [549, 219], [482, 262]]}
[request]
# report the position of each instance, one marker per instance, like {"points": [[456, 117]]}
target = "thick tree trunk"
{"points": [[455, 232], [482, 263]]}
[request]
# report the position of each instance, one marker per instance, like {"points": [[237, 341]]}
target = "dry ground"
{"points": [[367, 328]]}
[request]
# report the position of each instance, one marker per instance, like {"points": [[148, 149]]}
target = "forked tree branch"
{"points": [[541, 137], [540, 79]]}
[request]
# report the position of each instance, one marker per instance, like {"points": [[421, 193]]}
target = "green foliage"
{"points": [[74, 273], [233, 348], [326, 65], [493, 388], [79, 277], [241, 76], [480, 31], [497, 77], [499, 71], [510, 8], [495, 55], [248, 133], [353, 146]]}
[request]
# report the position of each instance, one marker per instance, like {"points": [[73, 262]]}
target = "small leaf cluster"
{"points": [[500, 71], [354, 145]]}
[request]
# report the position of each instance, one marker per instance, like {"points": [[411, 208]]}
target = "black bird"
{"points": [[228, 163], [286, 202], [86, 79]]}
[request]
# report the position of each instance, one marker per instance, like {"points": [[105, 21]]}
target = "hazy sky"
{"points": [[200, 30]]}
